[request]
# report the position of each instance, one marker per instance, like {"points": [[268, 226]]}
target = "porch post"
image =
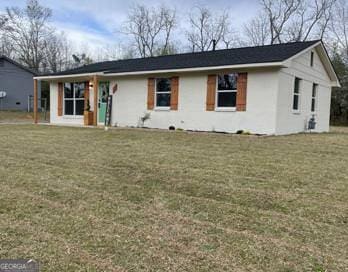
{"points": [[95, 89], [35, 101]]}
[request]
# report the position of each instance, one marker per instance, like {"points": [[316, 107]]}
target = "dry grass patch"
{"points": [[131, 200], [9, 116]]}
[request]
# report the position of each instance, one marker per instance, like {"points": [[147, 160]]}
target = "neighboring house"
{"points": [[17, 81], [272, 89]]}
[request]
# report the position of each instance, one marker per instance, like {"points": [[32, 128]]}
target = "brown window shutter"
{"points": [[174, 96], [211, 90], [86, 94], [60, 99], [242, 91], [150, 93]]}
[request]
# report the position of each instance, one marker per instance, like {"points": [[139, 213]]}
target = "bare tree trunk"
{"points": [[28, 31], [204, 28], [151, 29], [339, 27], [290, 20]]}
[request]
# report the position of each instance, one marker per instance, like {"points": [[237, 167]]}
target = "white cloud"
{"points": [[94, 24]]}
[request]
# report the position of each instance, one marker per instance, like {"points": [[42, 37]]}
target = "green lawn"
{"points": [[79, 199]]}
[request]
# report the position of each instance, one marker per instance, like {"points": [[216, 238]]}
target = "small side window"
{"points": [[296, 95], [314, 97], [312, 59]]}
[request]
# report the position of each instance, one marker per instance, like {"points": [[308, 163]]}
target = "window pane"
{"points": [[68, 91], [104, 92], [163, 100], [163, 85], [79, 90], [295, 102], [297, 85], [227, 99], [313, 105], [227, 82], [314, 90], [79, 107], [68, 107]]}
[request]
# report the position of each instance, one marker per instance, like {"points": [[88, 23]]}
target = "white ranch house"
{"points": [[273, 90]]}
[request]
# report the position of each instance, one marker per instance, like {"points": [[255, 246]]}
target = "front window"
{"points": [[296, 98], [74, 98], [163, 90], [314, 97], [227, 91]]}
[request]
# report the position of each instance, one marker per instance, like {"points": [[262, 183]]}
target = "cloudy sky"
{"points": [[99, 21]]}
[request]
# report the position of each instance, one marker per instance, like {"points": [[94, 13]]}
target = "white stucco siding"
{"points": [[317, 71], [54, 118], [130, 103], [324, 106], [289, 121]]}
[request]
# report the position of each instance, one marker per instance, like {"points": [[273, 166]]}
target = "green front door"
{"points": [[102, 100]]}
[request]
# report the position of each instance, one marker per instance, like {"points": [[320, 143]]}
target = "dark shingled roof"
{"points": [[18, 64], [246, 55]]}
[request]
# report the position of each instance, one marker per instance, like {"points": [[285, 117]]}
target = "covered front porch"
{"points": [[79, 100]]}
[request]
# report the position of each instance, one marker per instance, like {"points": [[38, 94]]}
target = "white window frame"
{"points": [[315, 87], [311, 59], [166, 108], [217, 108], [74, 99], [298, 94]]}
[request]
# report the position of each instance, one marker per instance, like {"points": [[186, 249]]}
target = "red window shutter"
{"points": [[60, 99], [174, 96], [151, 93], [86, 95], [242, 91], [211, 91]]}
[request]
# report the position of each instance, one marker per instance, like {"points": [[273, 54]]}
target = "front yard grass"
{"points": [[13, 116], [79, 199]]}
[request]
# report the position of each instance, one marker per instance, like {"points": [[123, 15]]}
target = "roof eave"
{"points": [[182, 70], [329, 66], [325, 59], [57, 77], [198, 69]]}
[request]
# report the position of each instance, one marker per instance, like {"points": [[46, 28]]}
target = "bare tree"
{"points": [[339, 28], [229, 36], [169, 23], [197, 36], [151, 29], [257, 30], [279, 13], [109, 52], [311, 20], [3, 20], [56, 54], [81, 60], [27, 29], [6, 47], [206, 28], [290, 20]]}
